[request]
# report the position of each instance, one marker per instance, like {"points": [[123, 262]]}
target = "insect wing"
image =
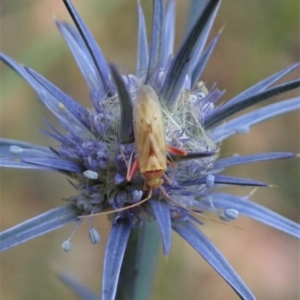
{"points": [[149, 130]]}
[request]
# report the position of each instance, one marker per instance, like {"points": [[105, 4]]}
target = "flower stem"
{"points": [[136, 278]]}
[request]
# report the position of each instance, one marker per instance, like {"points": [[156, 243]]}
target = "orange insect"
{"points": [[151, 148]]}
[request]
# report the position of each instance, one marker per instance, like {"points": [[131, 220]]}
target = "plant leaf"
{"points": [[211, 254], [114, 254], [39, 225]]}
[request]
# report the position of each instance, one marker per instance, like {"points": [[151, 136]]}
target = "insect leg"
{"points": [[132, 170], [172, 164], [169, 180], [177, 151]]}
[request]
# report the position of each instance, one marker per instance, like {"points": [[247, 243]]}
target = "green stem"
{"points": [[137, 272]]}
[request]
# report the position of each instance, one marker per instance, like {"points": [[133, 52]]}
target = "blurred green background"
{"points": [[260, 38]]}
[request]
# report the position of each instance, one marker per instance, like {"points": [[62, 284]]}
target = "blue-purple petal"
{"points": [[246, 159], [255, 211], [76, 109], [179, 68], [37, 226], [233, 126], [231, 180], [56, 164], [14, 163], [228, 109], [162, 213], [83, 58], [262, 85], [203, 40], [200, 66], [67, 119], [114, 254], [195, 9], [12, 152], [78, 288], [223, 179], [20, 70], [211, 254], [142, 49], [25, 149], [169, 30], [93, 48], [126, 135], [157, 38]]}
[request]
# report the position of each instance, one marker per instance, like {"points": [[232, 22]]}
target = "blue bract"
{"points": [[98, 149]]}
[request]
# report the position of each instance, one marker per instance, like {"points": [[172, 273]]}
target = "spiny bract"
{"points": [[98, 148]]}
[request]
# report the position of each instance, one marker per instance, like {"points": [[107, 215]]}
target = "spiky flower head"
{"points": [[101, 145]]}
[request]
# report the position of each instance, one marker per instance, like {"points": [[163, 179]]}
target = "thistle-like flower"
{"points": [[143, 163]]}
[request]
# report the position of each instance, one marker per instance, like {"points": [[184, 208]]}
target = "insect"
{"points": [[150, 141], [151, 148]]}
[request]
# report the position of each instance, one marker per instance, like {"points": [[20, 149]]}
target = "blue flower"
{"points": [[99, 149]]}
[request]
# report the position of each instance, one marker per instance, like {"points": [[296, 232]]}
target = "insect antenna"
{"points": [[120, 209]]}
